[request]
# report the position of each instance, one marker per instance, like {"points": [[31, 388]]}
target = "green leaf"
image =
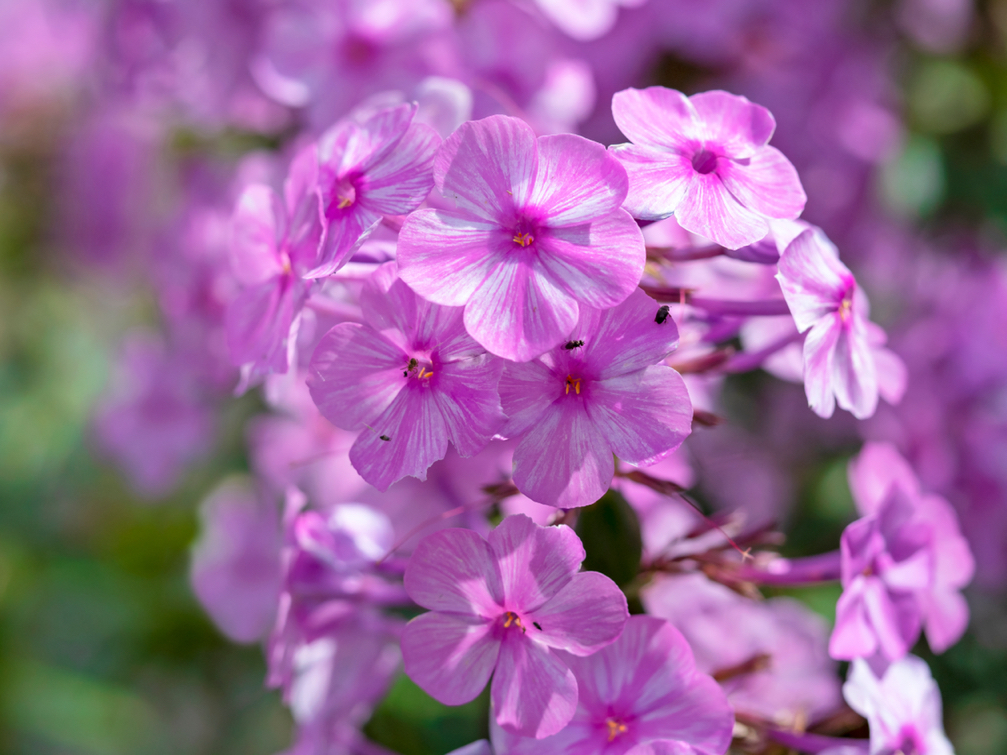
{"points": [[610, 532]]}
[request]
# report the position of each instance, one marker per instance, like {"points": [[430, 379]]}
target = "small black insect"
{"points": [[662, 314], [537, 625], [573, 345], [384, 437]]}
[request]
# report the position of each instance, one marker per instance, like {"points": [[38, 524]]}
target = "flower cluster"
{"points": [[495, 295]]}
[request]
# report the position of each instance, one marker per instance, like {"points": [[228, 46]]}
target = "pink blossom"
{"points": [[706, 159], [641, 694], [275, 242], [903, 707], [606, 390], [507, 605], [584, 19], [410, 377], [235, 569], [873, 474], [842, 349], [538, 232], [380, 166]]}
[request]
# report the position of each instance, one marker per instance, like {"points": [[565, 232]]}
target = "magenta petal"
{"points": [[564, 461], [342, 236], [587, 614], [643, 415], [535, 562], [710, 210], [855, 381], [656, 116], [533, 692], [893, 377], [658, 181], [354, 375], [766, 183], [455, 571], [599, 263], [812, 278], [403, 441], [488, 166], [852, 636], [577, 180], [735, 124], [468, 402], [519, 313], [450, 657], [259, 320], [302, 178], [526, 391], [626, 338], [350, 146], [946, 619], [443, 255], [885, 619], [819, 361], [663, 747], [402, 179], [257, 225]]}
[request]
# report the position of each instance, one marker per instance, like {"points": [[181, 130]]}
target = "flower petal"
{"points": [[535, 562], [455, 571], [526, 391], [852, 636], [736, 125], [533, 692], [259, 320], [587, 614], [446, 256], [403, 441], [450, 657], [258, 223], [657, 116], [766, 182], [577, 180], [518, 312], [399, 182], [488, 166], [343, 235], [710, 210], [819, 370], [467, 399], [355, 373], [643, 415], [564, 461], [812, 278], [855, 381], [658, 180], [598, 263]]}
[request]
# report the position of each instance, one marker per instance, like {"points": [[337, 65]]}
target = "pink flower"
{"points": [[275, 242], [903, 707], [584, 19], [538, 232], [410, 377], [507, 605], [842, 350], [874, 473], [382, 166], [706, 159], [604, 391], [641, 694]]}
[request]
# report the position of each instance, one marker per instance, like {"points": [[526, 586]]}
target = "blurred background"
{"points": [[121, 125]]}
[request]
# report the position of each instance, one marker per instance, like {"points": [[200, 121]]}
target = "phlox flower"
{"points": [[903, 707], [706, 159], [873, 474], [584, 19], [381, 166], [504, 607], [640, 695], [274, 243], [605, 390], [538, 231], [410, 378], [842, 348]]}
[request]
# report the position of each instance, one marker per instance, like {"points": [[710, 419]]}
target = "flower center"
{"points": [[704, 162], [615, 728], [419, 369], [285, 265], [344, 195], [572, 382], [523, 239], [846, 308], [512, 619]]}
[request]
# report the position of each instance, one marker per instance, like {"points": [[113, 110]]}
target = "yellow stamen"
{"points": [[845, 309], [524, 239], [513, 618], [615, 728], [344, 202], [572, 381]]}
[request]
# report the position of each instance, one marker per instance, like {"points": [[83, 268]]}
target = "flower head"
{"points": [[706, 159], [609, 393], [641, 690], [410, 378], [538, 231], [506, 605]]}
